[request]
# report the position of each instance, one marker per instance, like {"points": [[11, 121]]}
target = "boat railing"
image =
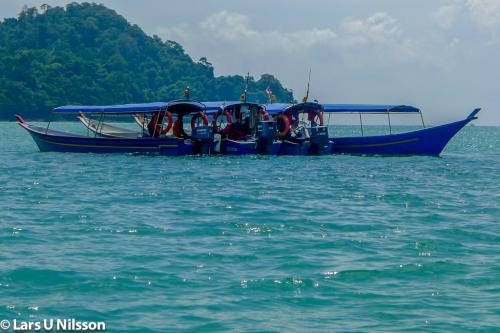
{"points": [[388, 113]]}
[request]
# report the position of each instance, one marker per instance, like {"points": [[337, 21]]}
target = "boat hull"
{"points": [[62, 142], [237, 147], [427, 141], [304, 148], [242, 147]]}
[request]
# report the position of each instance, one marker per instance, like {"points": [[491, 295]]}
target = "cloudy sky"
{"points": [[440, 55]]}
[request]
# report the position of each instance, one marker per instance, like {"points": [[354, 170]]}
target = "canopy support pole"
{"points": [[361, 124], [155, 125], [163, 120], [98, 124], [144, 120], [162, 123], [102, 124], [422, 117], [47, 129], [389, 119]]}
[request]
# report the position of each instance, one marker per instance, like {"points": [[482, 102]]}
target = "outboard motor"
{"points": [[267, 132], [202, 137], [319, 139]]}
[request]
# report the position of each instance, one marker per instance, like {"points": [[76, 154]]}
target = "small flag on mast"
{"points": [[269, 94]]}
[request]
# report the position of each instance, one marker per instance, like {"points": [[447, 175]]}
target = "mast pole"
{"points": [[246, 86], [308, 84]]}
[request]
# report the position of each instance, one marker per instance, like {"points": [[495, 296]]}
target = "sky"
{"points": [[442, 56]]}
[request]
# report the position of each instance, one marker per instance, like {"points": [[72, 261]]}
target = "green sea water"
{"points": [[252, 244]]}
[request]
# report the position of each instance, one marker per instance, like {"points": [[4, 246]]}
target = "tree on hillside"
{"points": [[88, 54]]}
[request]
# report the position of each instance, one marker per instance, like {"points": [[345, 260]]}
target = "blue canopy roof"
{"points": [[213, 107], [277, 107], [115, 109], [366, 108], [178, 106], [185, 106], [340, 108]]}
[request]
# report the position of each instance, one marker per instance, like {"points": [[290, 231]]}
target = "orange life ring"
{"points": [[217, 128], [264, 114], [158, 126], [286, 122], [199, 115]]}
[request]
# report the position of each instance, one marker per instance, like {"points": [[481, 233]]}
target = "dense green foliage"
{"points": [[88, 54]]}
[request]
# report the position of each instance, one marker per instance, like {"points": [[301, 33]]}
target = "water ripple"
{"points": [[330, 243]]}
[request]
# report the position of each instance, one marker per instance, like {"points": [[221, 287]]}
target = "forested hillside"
{"points": [[88, 54]]}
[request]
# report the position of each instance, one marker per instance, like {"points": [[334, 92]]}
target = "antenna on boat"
{"points": [[246, 87], [186, 92], [306, 97]]}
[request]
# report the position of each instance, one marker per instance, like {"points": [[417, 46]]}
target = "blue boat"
{"points": [[240, 128], [426, 141], [155, 139], [243, 128], [301, 128]]}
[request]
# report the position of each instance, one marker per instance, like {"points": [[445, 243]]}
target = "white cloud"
{"points": [[229, 28], [485, 13], [379, 30], [371, 59], [377, 25], [447, 15]]}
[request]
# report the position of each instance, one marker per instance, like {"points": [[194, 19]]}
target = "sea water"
{"points": [[252, 243]]}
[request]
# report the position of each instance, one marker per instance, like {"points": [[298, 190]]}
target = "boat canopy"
{"points": [[300, 107], [367, 108], [185, 107], [340, 108], [178, 106], [113, 109], [214, 107]]}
